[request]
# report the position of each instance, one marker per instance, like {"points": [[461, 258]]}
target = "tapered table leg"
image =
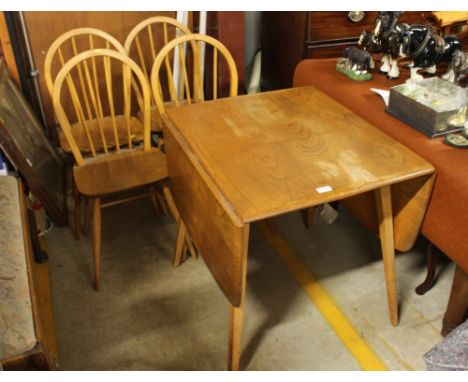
{"points": [[179, 247], [235, 336], [383, 198]]}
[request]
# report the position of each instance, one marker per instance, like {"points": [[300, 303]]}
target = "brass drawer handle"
{"points": [[356, 16]]}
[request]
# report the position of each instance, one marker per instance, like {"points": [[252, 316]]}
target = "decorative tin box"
{"points": [[428, 105]]}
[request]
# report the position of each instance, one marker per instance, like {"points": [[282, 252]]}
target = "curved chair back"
{"points": [[191, 71], [151, 35], [72, 43], [102, 118]]}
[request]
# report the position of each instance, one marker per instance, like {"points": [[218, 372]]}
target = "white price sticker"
{"points": [[323, 189]]}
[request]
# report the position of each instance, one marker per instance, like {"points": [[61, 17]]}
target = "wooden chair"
{"points": [[65, 47], [124, 163], [60, 51], [151, 35], [186, 93]]}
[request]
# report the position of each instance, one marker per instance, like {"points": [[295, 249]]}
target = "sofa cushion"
{"points": [[451, 353], [17, 333]]}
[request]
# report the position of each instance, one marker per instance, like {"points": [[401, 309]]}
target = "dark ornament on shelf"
{"points": [[355, 64], [426, 49], [388, 34]]}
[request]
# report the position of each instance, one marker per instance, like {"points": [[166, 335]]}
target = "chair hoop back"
{"points": [[70, 36], [89, 105], [143, 43], [185, 93], [132, 36]]}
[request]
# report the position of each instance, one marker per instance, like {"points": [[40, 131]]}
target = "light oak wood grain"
{"points": [[130, 72], [217, 233], [236, 316], [143, 44], [122, 171], [122, 164], [191, 82], [409, 202], [383, 198], [116, 23], [237, 160], [271, 151], [187, 88]]}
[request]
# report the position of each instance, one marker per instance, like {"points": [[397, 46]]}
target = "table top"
{"points": [[275, 152]]}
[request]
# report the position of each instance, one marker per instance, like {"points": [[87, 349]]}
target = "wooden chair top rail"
{"points": [[132, 36]]}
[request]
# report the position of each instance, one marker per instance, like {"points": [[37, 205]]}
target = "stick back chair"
{"points": [[65, 47], [192, 86], [151, 35], [123, 163]]}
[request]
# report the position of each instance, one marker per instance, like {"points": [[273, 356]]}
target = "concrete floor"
{"points": [[151, 316]]}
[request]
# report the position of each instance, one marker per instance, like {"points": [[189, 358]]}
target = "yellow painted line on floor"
{"points": [[357, 346]]}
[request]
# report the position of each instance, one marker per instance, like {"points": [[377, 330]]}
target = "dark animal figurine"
{"points": [[359, 60], [369, 43], [427, 49], [458, 67], [389, 34]]}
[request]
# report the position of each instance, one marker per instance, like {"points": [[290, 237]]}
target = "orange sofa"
{"points": [[446, 220]]}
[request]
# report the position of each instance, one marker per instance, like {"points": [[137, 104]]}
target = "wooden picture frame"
{"points": [[23, 140]]}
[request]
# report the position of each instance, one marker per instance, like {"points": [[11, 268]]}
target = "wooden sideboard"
{"points": [[288, 37]]}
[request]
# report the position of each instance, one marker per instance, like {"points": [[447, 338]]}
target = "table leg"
{"points": [[235, 336], [236, 313], [383, 198], [179, 247]]}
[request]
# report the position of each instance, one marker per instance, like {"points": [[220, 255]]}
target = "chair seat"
{"points": [[156, 120], [80, 136], [119, 172]]}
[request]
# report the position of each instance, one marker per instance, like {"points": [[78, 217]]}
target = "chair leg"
{"points": [[171, 203], [162, 203], [154, 202], [77, 210], [180, 245], [191, 248], [271, 225], [431, 271], [97, 241], [88, 211], [308, 216]]}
